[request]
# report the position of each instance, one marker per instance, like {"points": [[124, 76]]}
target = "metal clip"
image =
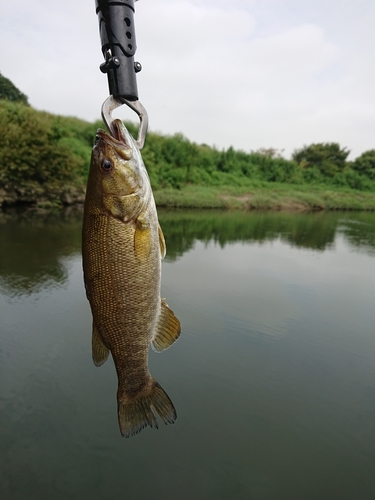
{"points": [[110, 104]]}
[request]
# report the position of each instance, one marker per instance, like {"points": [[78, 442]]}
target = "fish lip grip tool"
{"points": [[117, 34]]}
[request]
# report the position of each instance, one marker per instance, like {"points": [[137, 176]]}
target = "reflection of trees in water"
{"points": [[359, 230], [15, 285], [316, 231], [33, 247]]}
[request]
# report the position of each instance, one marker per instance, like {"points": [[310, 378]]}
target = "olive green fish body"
{"points": [[122, 249]]}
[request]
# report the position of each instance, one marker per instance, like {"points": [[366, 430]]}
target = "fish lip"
{"points": [[116, 127], [116, 137], [118, 142]]}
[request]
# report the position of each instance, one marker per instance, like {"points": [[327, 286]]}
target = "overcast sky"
{"points": [[246, 73]]}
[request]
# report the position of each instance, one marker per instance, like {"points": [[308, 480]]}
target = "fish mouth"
{"points": [[118, 132], [119, 139]]}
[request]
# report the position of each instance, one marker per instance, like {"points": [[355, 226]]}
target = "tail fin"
{"points": [[142, 410]]}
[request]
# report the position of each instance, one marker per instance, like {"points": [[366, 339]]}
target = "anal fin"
{"points": [[100, 352], [168, 329]]}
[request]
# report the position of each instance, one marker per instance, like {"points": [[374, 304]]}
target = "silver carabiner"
{"points": [[110, 104]]}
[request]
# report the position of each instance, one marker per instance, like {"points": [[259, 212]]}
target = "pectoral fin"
{"points": [[142, 240], [99, 351], [163, 248], [168, 329]]}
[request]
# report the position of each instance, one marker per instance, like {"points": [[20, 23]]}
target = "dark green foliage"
{"points": [[174, 161], [312, 175], [354, 180], [40, 147], [170, 160], [328, 158], [10, 92], [274, 169], [365, 164]]}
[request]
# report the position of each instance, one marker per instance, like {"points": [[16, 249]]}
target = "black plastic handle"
{"points": [[117, 34]]}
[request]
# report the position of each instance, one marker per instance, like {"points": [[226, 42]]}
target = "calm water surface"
{"points": [[273, 377]]}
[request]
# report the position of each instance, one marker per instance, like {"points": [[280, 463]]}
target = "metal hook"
{"points": [[110, 104]]}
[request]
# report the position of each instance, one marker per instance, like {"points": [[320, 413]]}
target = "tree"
{"points": [[329, 158], [270, 152], [365, 164], [10, 92]]}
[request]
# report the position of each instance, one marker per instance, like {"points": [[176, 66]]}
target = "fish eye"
{"points": [[106, 166]]}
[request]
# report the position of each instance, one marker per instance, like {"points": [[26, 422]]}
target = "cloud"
{"points": [[230, 86], [246, 73]]}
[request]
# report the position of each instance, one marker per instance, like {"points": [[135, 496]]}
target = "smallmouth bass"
{"points": [[122, 248]]}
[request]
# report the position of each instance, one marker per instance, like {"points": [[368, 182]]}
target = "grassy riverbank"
{"points": [[276, 198], [44, 162], [266, 197]]}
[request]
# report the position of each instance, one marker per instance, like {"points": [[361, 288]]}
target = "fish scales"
{"points": [[122, 247]]}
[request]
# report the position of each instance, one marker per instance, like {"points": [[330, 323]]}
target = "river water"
{"points": [[273, 377]]}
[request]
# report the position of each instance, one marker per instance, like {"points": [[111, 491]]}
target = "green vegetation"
{"points": [[10, 92], [45, 160], [174, 162], [365, 164], [328, 159]]}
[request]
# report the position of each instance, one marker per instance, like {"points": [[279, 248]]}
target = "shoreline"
{"points": [[286, 198], [278, 197]]}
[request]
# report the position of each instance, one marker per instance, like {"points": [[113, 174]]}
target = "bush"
{"points": [[354, 180], [9, 92], [365, 164], [328, 158], [41, 147], [278, 170]]}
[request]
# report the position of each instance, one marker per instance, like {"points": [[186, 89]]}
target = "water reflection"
{"points": [[315, 231], [359, 231], [35, 247]]}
